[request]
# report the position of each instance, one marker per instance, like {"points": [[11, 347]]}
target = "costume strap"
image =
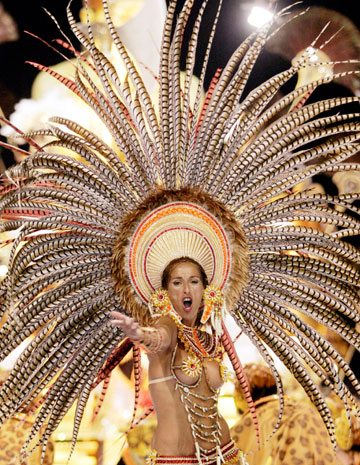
{"points": [[160, 380]]}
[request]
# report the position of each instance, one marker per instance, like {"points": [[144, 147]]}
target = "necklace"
{"points": [[198, 344]]}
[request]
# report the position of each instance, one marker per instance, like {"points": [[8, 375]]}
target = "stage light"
{"points": [[259, 16]]}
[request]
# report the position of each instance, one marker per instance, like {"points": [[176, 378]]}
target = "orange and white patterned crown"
{"points": [[177, 229]]}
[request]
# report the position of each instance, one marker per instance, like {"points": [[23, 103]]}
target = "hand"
{"points": [[129, 325]]}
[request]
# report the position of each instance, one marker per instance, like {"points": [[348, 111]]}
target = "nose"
{"points": [[186, 288]]}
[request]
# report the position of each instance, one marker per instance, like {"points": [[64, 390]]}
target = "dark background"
{"points": [[17, 76]]}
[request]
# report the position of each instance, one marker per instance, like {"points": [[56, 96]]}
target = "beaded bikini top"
{"points": [[200, 408]]}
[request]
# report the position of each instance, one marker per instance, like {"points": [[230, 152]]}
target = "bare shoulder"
{"points": [[168, 326], [165, 322]]}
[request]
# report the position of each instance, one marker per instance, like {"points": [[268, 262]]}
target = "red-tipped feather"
{"points": [[137, 376], [15, 148], [104, 374], [302, 101], [102, 397], [29, 140], [143, 416], [67, 82], [209, 93], [76, 53], [47, 44], [241, 377], [113, 361], [11, 213]]}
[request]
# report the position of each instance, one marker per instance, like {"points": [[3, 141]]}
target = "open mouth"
{"points": [[187, 301]]}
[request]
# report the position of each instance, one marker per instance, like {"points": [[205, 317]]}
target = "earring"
{"points": [[214, 307], [160, 305]]}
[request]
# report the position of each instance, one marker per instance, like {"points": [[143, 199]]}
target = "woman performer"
{"points": [[184, 380], [213, 179]]}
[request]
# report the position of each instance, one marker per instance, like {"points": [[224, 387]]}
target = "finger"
{"points": [[116, 323], [116, 315]]}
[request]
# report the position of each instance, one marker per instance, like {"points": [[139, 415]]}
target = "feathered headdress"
{"points": [[236, 159]]}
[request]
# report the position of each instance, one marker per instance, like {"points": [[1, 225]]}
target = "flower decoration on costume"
{"points": [[191, 366], [160, 299], [160, 305], [151, 458], [214, 307]]}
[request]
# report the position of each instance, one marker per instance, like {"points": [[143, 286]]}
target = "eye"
{"points": [[195, 281], [176, 283]]}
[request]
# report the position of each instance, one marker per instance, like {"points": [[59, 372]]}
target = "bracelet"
{"points": [[152, 340]]}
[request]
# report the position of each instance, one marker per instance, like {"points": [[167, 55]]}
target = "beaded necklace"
{"points": [[199, 409], [200, 343]]}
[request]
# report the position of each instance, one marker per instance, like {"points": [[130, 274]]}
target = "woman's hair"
{"points": [[167, 271], [261, 381]]}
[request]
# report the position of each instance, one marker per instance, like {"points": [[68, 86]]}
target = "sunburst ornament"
{"points": [[160, 299], [160, 305], [192, 366]]}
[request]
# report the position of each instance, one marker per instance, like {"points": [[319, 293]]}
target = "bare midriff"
{"points": [[173, 435]]}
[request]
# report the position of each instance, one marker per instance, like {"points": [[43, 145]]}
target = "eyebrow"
{"points": [[191, 277]]}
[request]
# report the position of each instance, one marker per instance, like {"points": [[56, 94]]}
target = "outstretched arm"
{"points": [[153, 339]]}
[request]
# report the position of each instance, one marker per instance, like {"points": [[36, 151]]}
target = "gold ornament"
{"points": [[192, 366], [160, 305], [225, 373], [213, 307]]}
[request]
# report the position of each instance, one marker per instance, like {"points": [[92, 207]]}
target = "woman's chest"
{"points": [[192, 370]]}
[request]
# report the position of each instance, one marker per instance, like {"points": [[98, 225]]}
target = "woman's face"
{"points": [[185, 290]]}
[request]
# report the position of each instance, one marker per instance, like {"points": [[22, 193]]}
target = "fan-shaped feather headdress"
{"points": [[232, 162]]}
